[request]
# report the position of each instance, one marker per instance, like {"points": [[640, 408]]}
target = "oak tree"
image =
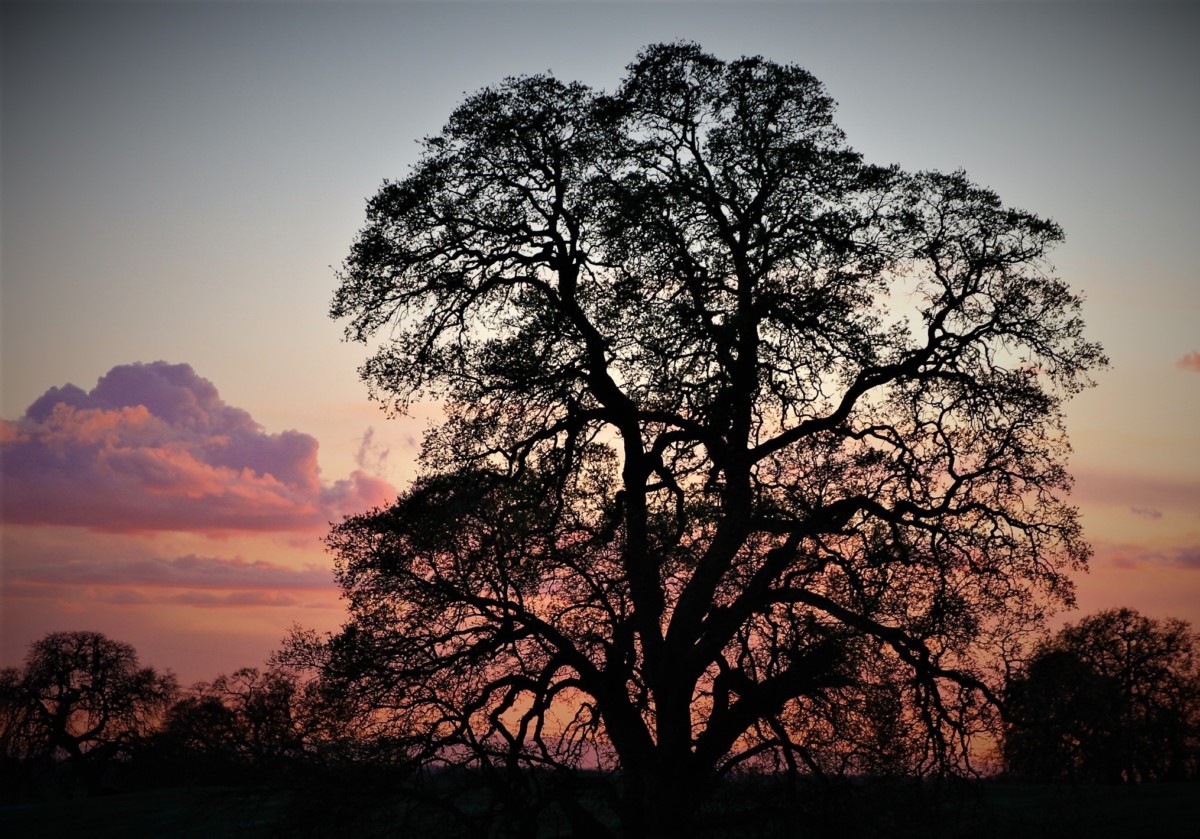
{"points": [[743, 436], [80, 697], [257, 717], [1113, 698]]}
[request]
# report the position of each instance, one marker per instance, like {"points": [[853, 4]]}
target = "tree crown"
{"points": [[736, 423]]}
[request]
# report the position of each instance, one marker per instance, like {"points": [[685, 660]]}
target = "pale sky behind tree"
{"points": [[180, 181]]}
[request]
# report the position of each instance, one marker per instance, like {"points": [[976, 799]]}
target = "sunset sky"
{"points": [[180, 181]]}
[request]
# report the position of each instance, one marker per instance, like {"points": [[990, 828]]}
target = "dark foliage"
{"points": [[753, 454], [80, 704], [1114, 698]]}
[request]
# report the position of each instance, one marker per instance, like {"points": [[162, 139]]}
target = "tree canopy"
{"points": [[1113, 698], [259, 717], [80, 696], [751, 448]]}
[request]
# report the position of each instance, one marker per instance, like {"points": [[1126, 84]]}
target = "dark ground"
{"points": [[983, 810]]}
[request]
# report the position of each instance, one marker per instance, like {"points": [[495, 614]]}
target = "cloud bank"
{"points": [[1148, 496], [153, 447], [1132, 557], [191, 571], [189, 580]]}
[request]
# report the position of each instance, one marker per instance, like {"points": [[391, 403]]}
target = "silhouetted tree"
{"points": [[269, 719], [736, 426], [80, 697], [269, 710], [201, 723], [1113, 698], [257, 717]]}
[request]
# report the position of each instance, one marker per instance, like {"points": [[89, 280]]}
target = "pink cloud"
{"points": [[1133, 557], [191, 572], [1191, 361], [152, 596], [1143, 495], [214, 600], [189, 581], [1188, 557], [372, 454], [153, 447]]}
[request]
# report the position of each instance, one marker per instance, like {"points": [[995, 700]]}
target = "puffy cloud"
{"points": [[153, 447], [1191, 361], [356, 494]]}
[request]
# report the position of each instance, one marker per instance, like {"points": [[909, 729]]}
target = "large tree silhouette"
{"points": [[746, 441]]}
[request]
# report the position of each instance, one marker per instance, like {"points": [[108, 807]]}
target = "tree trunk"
{"points": [[663, 804]]}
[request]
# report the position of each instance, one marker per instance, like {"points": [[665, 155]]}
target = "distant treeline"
{"points": [[1114, 698]]}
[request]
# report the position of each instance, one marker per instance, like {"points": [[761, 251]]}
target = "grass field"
{"points": [[981, 811], [181, 812], [1149, 811]]}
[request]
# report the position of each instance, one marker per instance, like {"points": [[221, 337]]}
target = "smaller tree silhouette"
{"points": [[1113, 698], [268, 709], [250, 715], [81, 697], [269, 719]]}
